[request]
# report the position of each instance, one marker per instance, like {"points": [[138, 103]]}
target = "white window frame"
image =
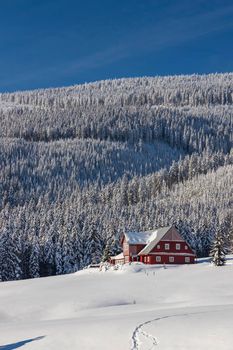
{"points": [[178, 246], [167, 246], [158, 246], [158, 258], [187, 259], [186, 247], [171, 259]]}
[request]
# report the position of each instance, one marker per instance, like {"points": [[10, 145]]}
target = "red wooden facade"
{"points": [[161, 246]]}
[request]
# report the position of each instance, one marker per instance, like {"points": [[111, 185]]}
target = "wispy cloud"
{"points": [[183, 29], [172, 31], [156, 37]]}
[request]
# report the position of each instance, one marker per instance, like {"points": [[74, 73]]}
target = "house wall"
{"points": [[178, 259], [135, 249], [117, 261], [130, 250], [171, 252], [160, 247], [125, 248]]}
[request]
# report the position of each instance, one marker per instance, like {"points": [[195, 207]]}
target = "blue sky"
{"points": [[48, 43]]}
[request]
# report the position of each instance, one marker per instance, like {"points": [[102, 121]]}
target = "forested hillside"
{"points": [[79, 165]]}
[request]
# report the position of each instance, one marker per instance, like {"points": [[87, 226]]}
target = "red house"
{"points": [[163, 245]]}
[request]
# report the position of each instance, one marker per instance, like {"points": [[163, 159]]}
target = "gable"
{"points": [[172, 235], [155, 237]]}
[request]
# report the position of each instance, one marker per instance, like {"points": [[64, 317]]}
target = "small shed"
{"points": [[117, 259]]}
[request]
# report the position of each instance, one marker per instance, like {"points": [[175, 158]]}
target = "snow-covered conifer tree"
{"points": [[34, 261], [107, 252], [219, 250], [9, 257]]}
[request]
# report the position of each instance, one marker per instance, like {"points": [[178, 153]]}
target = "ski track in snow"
{"points": [[136, 342], [139, 332]]}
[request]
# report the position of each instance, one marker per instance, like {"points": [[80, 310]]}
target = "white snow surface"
{"points": [[139, 307]]}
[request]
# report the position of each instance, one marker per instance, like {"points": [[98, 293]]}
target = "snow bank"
{"points": [[134, 307]]}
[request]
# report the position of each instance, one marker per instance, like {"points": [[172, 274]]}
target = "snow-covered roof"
{"points": [[118, 257], [138, 237], [155, 236]]}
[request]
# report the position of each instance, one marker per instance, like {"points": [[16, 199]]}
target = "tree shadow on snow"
{"points": [[19, 344]]}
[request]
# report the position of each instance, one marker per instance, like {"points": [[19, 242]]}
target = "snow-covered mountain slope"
{"points": [[80, 165], [139, 308]]}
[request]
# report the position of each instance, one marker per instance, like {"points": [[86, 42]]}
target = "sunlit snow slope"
{"points": [[139, 307]]}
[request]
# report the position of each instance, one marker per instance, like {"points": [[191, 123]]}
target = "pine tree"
{"points": [[9, 259], [58, 258], [67, 255], [106, 253], [219, 250], [34, 261]]}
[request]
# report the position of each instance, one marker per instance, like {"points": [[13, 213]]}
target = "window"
{"points": [[177, 246], [167, 246], [148, 259], [186, 247], [158, 259], [187, 259], [158, 246], [171, 259]]}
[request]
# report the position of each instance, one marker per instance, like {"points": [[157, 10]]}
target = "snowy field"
{"points": [[138, 307]]}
